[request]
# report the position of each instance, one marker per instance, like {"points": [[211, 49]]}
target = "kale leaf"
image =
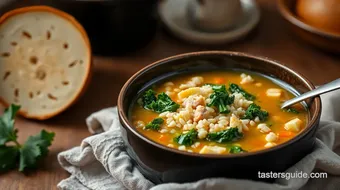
{"points": [[154, 124], [228, 135], [235, 88], [254, 111], [188, 138], [160, 104], [236, 149], [148, 98], [220, 98]]}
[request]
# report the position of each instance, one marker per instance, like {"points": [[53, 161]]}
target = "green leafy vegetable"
{"points": [[220, 98], [7, 131], [188, 138], [34, 148], [291, 110], [236, 149], [218, 87], [27, 154], [160, 104], [254, 111], [154, 124], [8, 157], [235, 88], [148, 98], [231, 134]]}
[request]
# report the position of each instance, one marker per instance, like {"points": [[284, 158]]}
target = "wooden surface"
{"points": [[272, 38]]}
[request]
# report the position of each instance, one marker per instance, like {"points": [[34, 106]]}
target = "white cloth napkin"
{"points": [[101, 162]]}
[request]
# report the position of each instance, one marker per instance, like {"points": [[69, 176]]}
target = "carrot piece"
{"points": [[219, 80], [163, 138], [285, 134]]}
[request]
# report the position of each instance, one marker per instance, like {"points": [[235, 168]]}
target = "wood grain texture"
{"points": [[272, 38]]}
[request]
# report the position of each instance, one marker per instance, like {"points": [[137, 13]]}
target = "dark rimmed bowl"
{"points": [[162, 164], [312, 35]]}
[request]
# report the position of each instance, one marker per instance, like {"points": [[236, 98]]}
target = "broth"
{"points": [[197, 124]]}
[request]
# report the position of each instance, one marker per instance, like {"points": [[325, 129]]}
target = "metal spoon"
{"points": [[334, 85]]}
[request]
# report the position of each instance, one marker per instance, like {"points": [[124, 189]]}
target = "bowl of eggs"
{"points": [[316, 22]]}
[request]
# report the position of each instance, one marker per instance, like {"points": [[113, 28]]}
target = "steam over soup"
{"points": [[217, 113]]}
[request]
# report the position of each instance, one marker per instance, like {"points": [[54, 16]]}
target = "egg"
{"points": [[322, 14]]}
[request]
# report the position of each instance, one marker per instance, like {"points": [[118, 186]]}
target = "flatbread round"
{"points": [[45, 60]]}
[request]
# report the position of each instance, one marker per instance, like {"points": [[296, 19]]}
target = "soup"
{"points": [[217, 112]]}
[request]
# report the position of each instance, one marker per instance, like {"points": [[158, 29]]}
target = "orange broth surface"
{"points": [[252, 139]]}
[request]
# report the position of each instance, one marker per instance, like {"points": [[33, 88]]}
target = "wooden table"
{"points": [[272, 38]]}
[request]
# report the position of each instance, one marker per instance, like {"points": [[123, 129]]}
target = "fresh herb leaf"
{"points": [[8, 157], [220, 98], [236, 149], [235, 88], [154, 124], [160, 104], [231, 134], [254, 111], [188, 138], [28, 154], [291, 110], [34, 148], [7, 131]]}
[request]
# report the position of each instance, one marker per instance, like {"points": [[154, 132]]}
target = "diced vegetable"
{"points": [[254, 111], [160, 104], [269, 144], [220, 98], [231, 134], [212, 150], [263, 128], [271, 137], [187, 139], [154, 124], [163, 138], [246, 79], [274, 92], [285, 134], [236, 149], [188, 92], [293, 125], [235, 88], [219, 80]]}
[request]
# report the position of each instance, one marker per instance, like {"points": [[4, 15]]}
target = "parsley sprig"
{"points": [[12, 153]]}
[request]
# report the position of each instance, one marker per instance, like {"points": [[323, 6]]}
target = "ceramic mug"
{"points": [[214, 15]]}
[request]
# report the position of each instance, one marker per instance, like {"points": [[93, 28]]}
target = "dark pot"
{"points": [[114, 26], [162, 164]]}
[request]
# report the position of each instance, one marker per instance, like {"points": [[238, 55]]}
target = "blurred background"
{"points": [[127, 35]]}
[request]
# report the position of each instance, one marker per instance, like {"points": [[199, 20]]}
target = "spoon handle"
{"points": [[334, 85]]}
